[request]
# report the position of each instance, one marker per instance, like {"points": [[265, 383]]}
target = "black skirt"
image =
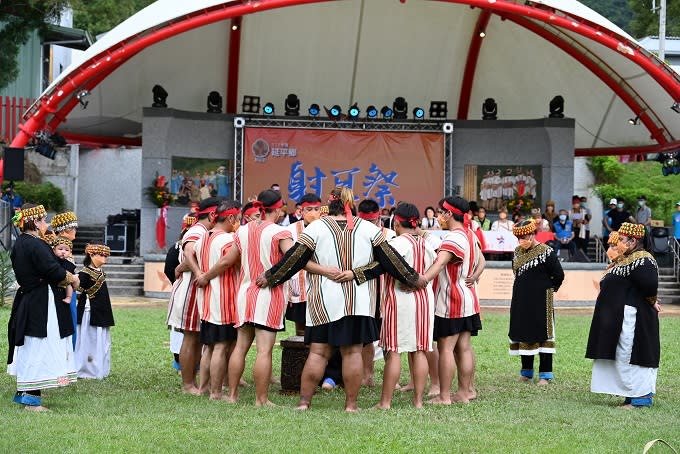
{"points": [[349, 330], [297, 312], [445, 327], [263, 327], [211, 333]]}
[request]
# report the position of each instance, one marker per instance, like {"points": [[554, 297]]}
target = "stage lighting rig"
{"points": [[489, 109], [314, 110], [371, 112], [386, 113], [353, 112], [438, 109], [676, 107], [268, 109], [251, 104], [334, 113], [400, 108], [634, 121], [670, 163], [81, 98], [292, 105], [46, 143], [418, 113], [556, 107], [160, 96], [214, 102]]}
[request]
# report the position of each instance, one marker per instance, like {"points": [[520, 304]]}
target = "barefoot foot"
{"points": [[434, 391], [381, 406], [439, 401], [38, 408], [409, 387], [267, 403], [191, 389]]}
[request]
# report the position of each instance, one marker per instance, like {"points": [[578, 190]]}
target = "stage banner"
{"points": [[386, 166]]}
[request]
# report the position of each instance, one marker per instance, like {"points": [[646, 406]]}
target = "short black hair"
{"points": [[310, 197], [368, 206], [227, 205], [207, 203], [408, 211], [268, 197], [456, 202]]}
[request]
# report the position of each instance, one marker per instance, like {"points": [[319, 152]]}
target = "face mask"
{"points": [[583, 204], [563, 217], [622, 247], [525, 244], [612, 254], [641, 203], [620, 205]]}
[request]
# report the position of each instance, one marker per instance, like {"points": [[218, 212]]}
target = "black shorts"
{"points": [[297, 312], [212, 334], [263, 327], [349, 330], [445, 327]]}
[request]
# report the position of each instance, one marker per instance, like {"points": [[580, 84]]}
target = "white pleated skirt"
{"points": [[176, 338], [93, 349], [618, 377], [44, 362]]}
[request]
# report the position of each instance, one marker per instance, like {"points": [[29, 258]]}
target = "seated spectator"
{"points": [[542, 224], [484, 222], [550, 214], [564, 233], [503, 223], [429, 222]]}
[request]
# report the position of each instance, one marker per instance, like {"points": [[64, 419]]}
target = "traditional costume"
{"points": [[60, 223], [217, 300], [341, 314], [538, 275], [624, 333], [296, 287], [408, 318], [39, 330], [95, 319]]}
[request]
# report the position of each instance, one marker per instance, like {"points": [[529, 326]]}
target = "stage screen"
{"points": [[386, 166]]}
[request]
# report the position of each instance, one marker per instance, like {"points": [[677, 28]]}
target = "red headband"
{"points": [[454, 210], [229, 212], [348, 210], [310, 204], [277, 204], [256, 208], [369, 216], [211, 209], [412, 221]]}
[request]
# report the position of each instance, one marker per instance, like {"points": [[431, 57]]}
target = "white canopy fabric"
{"points": [[369, 52]]}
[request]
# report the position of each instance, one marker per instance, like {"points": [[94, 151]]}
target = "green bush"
{"points": [[46, 194], [606, 169], [6, 279]]}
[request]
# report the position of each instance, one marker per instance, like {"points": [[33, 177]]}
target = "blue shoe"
{"points": [[175, 365], [328, 383], [546, 376], [527, 373], [28, 400], [643, 401]]}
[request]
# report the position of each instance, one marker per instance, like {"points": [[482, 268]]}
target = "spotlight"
{"points": [[251, 104], [268, 109], [353, 112], [214, 102], [46, 150], [371, 112], [418, 113], [47, 143], [489, 109], [556, 107], [314, 110], [676, 107], [81, 98], [159, 96], [670, 163], [334, 112], [438, 109], [634, 121], [292, 105], [386, 112], [482, 34], [400, 108]]}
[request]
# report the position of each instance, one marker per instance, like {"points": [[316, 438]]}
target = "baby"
{"points": [[62, 248]]}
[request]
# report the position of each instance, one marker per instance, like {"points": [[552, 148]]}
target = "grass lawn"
{"points": [[139, 407]]}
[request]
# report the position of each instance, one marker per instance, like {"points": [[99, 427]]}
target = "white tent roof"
{"points": [[369, 52]]}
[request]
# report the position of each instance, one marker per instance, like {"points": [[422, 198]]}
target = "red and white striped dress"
{"points": [[217, 300], [408, 318], [183, 310], [258, 243], [454, 298], [296, 287]]}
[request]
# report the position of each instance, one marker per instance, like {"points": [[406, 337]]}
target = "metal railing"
{"points": [[600, 251], [675, 250], [7, 230]]}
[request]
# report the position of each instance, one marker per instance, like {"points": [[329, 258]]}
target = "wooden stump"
{"points": [[293, 356]]}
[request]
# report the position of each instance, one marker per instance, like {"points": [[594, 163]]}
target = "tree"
{"points": [[99, 16], [616, 11], [646, 22], [18, 19]]}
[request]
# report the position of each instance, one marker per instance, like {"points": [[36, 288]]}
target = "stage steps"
{"points": [[124, 275], [669, 287], [87, 234]]}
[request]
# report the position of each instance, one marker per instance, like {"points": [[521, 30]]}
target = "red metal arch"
{"points": [[471, 64], [56, 101]]}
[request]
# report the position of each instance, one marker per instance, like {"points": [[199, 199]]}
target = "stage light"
{"points": [[251, 104], [556, 107], [438, 109], [400, 108], [386, 112], [418, 113], [314, 110], [46, 150], [489, 109], [268, 109], [47, 143], [214, 102], [334, 112], [670, 163], [353, 112], [482, 34], [676, 107], [292, 105], [371, 112], [81, 98], [160, 96], [634, 121]]}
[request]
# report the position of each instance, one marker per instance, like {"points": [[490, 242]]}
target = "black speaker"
{"points": [[14, 164]]}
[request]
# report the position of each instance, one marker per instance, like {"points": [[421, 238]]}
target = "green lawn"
{"points": [[139, 407]]}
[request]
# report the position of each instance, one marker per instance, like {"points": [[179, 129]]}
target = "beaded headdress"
{"points": [[97, 249], [29, 214], [632, 230], [524, 229], [613, 238], [64, 221], [57, 240], [188, 220]]}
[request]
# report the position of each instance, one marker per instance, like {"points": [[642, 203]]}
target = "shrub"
{"points": [[6, 278], [46, 194]]}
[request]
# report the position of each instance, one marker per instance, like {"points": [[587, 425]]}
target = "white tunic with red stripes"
{"points": [[217, 300], [258, 243], [408, 318], [454, 298], [296, 287], [183, 311]]}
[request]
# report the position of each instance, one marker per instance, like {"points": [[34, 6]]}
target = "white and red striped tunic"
{"points": [[217, 300], [454, 298], [258, 243], [408, 318], [389, 235], [183, 311], [296, 287]]}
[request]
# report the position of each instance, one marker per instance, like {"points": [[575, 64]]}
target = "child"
{"points": [[62, 248], [408, 317], [95, 317]]}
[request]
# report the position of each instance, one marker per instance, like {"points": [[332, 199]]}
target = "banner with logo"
{"points": [[385, 166]]}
